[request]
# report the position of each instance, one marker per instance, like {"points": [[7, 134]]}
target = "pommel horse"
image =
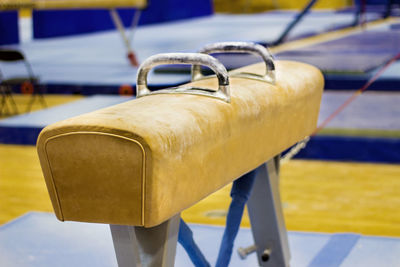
{"points": [[139, 164]]}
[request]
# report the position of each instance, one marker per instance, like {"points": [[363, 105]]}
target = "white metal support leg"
{"points": [[121, 29], [146, 247], [266, 217]]}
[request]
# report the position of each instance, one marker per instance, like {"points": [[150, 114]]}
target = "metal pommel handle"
{"points": [[196, 59], [240, 47]]}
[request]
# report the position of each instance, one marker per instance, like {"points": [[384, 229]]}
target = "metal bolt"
{"points": [[266, 255], [243, 252]]}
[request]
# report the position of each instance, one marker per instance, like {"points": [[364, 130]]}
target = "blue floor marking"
{"points": [[335, 251]]}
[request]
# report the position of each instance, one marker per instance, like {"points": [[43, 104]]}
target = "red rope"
{"points": [[357, 93]]}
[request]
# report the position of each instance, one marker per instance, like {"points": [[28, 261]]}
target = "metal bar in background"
{"points": [[295, 21]]}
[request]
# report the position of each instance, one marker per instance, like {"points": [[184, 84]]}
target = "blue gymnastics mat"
{"points": [[40, 240], [357, 53], [369, 111], [370, 125], [96, 63], [367, 130], [25, 128], [347, 62], [9, 27]]}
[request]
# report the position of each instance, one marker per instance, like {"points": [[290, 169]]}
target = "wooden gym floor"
{"points": [[51, 100]]}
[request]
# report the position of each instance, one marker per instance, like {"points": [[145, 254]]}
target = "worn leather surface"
{"points": [[143, 161]]}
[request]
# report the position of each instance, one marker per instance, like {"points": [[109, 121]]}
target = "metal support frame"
{"points": [[389, 8], [38, 91], [266, 217], [6, 93], [294, 22], [156, 246], [121, 29], [359, 15], [6, 85], [150, 247]]}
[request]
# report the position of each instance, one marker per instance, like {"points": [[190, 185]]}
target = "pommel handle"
{"points": [[240, 47], [195, 59]]}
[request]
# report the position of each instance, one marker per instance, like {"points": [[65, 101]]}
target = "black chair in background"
{"points": [[29, 83]]}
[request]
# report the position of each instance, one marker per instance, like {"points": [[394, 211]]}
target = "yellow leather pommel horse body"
{"points": [[140, 163]]}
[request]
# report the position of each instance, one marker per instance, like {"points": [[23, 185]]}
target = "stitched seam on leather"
{"points": [[52, 179], [99, 133]]}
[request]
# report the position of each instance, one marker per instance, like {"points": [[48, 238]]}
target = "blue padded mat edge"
{"points": [[349, 148]]}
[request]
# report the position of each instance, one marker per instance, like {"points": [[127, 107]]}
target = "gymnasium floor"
{"points": [[318, 196]]}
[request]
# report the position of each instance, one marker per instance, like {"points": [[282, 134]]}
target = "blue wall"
{"points": [[9, 27], [373, 2], [52, 23]]}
